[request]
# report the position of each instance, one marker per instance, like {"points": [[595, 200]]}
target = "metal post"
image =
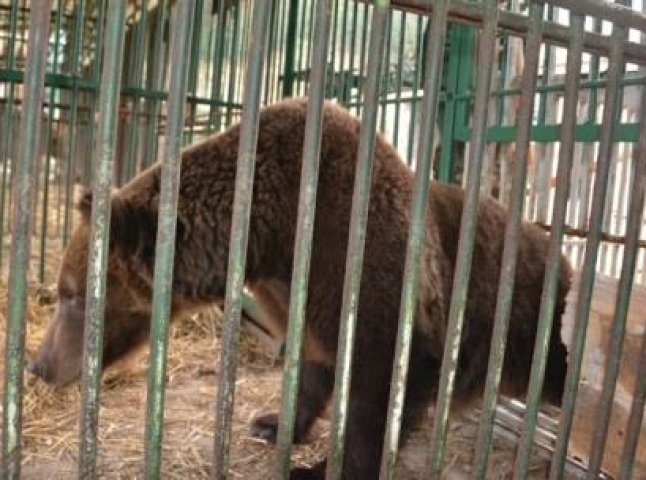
{"points": [[486, 51], [356, 241], [435, 60], [180, 56], [99, 235], [512, 239], [582, 313], [304, 235], [28, 152], [239, 236]]}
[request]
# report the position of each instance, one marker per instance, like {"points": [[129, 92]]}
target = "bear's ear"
{"points": [[133, 228], [85, 204]]}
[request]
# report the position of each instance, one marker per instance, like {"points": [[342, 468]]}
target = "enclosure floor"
{"points": [[50, 432]]}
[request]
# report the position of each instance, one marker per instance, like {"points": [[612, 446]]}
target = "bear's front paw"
{"points": [[306, 474], [265, 427], [317, 472]]}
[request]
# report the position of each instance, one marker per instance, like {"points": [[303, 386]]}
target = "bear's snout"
{"points": [[40, 368]]}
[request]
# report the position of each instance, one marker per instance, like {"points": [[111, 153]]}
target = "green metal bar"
{"points": [[96, 77], [77, 42], [622, 304], [180, 57], [398, 94], [239, 234], [233, 63], [156, 74], [513, 231], [288, 78], [385, 72], [639, 395], [445, 168], [218, 60], [362, 55], [333, 48], [193, 68], [273, 26], [309, 43], [353, 43], [135, 80], [304, 235], [28, 152], [356, 240], [48, 153], [486, 51], [99, 235], [611, 104], [416, 236], [416, 85], [7, 137], [341, 74]]}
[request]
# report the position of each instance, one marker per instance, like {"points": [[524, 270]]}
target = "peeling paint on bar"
{"points": [[304, 236], [238, 240], [180, 56], [99, 235], [28, 154]]}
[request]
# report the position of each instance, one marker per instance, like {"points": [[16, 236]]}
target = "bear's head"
{"points": [[128, 292]]}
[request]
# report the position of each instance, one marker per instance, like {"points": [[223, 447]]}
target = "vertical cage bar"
{"points": [[180, 57], [233, 63], [6, 142], [416, 235], [304, 235], [552, 270], [512, 238], [47, 144], [632, 235], [77, 54], [486, 52], [288, 72], [218, 63], [156, 66], [622, 303], [99, 235], [135, 81], [28, 153], [582, 313], [239, 234], [193, 71], [356, 240]]}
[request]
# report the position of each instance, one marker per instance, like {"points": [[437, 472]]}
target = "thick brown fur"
{"points": [[204, 219]]}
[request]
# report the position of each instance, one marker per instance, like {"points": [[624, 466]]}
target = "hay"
{"points": [[50, 424], [50, 419]]}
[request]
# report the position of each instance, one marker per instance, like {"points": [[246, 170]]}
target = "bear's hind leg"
{"points": [[315, 388]]}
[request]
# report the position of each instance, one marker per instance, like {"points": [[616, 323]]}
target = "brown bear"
{"points": [[203, 227]]}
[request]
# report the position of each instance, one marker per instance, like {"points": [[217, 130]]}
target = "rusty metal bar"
{"points": [[486, 52], [239, 236], [567, 142], [605, 10], [553, 267], [611, 104], [77, 49], [636, 208], [356, 240], [304, 236], [434, 63], [180, 57], [28, 153], [99, 235], [622, 302], [512, 240], [518, 25]]}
